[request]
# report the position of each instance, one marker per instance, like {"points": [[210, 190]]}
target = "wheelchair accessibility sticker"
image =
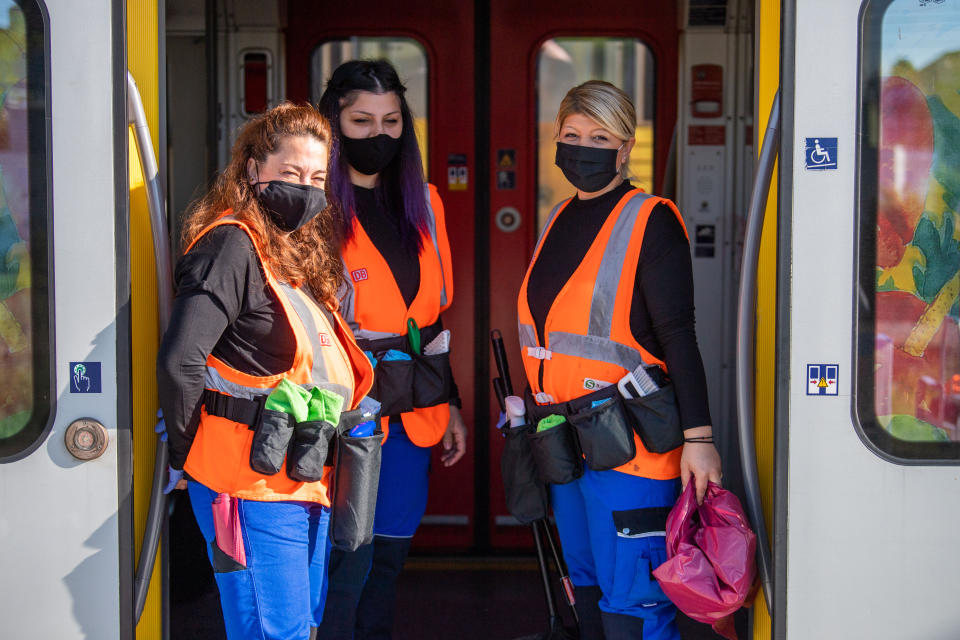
{"points": [[822, 379], [821, 153]]}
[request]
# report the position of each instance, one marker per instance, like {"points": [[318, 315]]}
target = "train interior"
{"points": [[484, 79]]}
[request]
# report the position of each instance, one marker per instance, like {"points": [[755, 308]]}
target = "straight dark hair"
{"points": [[400, 186]]}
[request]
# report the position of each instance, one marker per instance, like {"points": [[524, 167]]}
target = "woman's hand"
{"points": [[455, 438], [699, 460]]}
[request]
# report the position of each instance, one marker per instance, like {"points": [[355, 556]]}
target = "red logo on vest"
{"points": [[359, 274], [325, 340]]}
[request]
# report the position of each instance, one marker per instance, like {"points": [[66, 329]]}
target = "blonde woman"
{"points": [[609, 292]]}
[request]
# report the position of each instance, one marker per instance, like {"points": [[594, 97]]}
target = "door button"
{"points": [[86, 439]]}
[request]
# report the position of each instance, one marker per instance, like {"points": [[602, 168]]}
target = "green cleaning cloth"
{"points": [[289, 398], [325, 405], [549, 422]]}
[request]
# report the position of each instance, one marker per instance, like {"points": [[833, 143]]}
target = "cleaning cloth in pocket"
{"points": [[289, 398], [395, 354], [324, 405], [550, 421]]}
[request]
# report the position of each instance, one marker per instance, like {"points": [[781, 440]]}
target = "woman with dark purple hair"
{"points": [[399, 279]]}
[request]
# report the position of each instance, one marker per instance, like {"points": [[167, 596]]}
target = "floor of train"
{"points": [[468, 598]]}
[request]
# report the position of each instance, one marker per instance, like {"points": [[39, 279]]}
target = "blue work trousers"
{"points": [[611, 526], [360, 602], [279, 594]]}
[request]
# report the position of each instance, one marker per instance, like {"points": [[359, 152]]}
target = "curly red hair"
{"points": [[309, 256]]}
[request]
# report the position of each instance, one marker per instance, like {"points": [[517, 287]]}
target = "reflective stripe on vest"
{"points": [[326, 356], [597, 345], [374, 308], [587, 329]]}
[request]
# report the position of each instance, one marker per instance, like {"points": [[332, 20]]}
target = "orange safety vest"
{"points": [[326, 356], [374, 307], [588, 337]]}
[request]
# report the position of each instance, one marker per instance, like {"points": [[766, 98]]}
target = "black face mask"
{"points": [[370, 156], [589, 169], [290, 205]]}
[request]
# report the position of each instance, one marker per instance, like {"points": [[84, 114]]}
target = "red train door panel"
{"points": [[443, 31], [537, 50]]}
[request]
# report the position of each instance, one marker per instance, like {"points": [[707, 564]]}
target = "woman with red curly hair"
{"points": [[256, 310]]}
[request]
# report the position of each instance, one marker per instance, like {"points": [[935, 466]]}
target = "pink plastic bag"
{"points": [[710, 567], [226, 527]]}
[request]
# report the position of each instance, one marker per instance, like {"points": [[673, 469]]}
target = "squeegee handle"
{"points": [[500, 357]]}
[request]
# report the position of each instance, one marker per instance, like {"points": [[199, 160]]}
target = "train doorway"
{"points": [[484, 80]]}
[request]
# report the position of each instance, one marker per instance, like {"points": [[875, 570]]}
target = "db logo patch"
{"points": [[325, 340], [358, 275]]}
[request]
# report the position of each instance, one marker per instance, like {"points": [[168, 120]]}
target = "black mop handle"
{"points": [[500, 357]]}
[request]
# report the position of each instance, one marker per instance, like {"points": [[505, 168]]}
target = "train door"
{"points": [[65, 447], [431, 44], [663, 55], [489, 77], [867, 433]]}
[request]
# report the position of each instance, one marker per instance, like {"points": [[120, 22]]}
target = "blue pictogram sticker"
{"points": [[85, 377], [822, 379], [821, 153]]}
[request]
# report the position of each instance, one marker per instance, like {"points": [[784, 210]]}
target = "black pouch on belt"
{"points": [[606, 438], [526, 495], [311, 441], [556, 453], [271, 439], [656, 419], [356, 476], [392, 379], [431, 379]]}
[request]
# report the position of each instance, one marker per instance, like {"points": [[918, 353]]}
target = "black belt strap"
{"points": [[240, 410]]}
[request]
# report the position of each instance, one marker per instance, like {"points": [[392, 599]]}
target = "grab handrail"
{"points": [[161, 251], [746, 348]]}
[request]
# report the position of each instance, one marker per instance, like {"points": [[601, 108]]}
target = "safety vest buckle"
{"points": [[540, 353]]}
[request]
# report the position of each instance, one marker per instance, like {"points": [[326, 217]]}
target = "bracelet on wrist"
{"points": [[700, 439]]}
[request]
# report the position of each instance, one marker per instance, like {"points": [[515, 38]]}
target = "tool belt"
{"points": [[598, 429], [400, 386], [306, 446]]}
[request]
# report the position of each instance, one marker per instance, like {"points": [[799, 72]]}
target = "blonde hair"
{"points": [[605, 104]]}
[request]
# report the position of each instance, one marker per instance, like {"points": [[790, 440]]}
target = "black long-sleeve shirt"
{"points": [[224, 307], [662, 309]]}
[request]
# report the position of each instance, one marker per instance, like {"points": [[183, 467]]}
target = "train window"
{"points": [[25, 401], [563, 63], [908, 379], [255, 70], [406, 54]]}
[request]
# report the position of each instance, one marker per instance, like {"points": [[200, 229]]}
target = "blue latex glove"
{"points": [[502, 420], [368, 406], [161, 427], [373, 361], [395, 354], [174, 476]]}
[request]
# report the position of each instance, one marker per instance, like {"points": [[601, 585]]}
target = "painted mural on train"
{"points": [[917, 374]]}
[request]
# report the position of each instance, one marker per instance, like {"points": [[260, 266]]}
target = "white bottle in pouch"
{"points": [[516, 412]]}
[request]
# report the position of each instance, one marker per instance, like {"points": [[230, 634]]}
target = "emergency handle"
{"points": [[746, 344], [161, 251]]}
